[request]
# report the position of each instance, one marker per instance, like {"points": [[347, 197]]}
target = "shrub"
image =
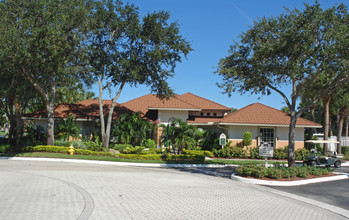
{"points": [[4, 148], [149, 143], [247, 140], [281, 172], [120, 147], [254, 152], [198, 152], [230, 151], [275, 173], [301, 154], [280, 153]]}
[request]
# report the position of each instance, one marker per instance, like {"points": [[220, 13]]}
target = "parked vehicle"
{"points": [[316, 160]]}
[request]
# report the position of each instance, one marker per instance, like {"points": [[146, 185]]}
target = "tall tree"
{"points": [[297, 49], [127, 49], [340, 103], [42, 39]]}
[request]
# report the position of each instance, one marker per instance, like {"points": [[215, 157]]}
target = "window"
{"points": [[214, 114], [267, 136], [208, 114], [202, 114]]}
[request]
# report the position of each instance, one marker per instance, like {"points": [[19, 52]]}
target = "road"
{"points": [[333, 192], [62, 190]]}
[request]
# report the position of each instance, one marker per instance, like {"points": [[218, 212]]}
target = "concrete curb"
{"points": [[340, 176], [116, 163]]}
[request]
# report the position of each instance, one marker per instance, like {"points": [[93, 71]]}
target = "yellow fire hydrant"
{"points": [[71, 150]]}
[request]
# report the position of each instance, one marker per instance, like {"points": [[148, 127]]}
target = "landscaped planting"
{"points": [[278, 172]]}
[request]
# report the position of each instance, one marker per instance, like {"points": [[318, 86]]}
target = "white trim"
{"points": [[175, 109], [271, 125]]}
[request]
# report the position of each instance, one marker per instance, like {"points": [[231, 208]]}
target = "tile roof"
{"points": [[87, 109], [202, 103], [186, 101], [261, 114]]}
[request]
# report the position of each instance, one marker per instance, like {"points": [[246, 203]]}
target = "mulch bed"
{"points": [[292, 179]]}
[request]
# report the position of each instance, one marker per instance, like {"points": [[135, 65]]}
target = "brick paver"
{"points": [[43, 190]]}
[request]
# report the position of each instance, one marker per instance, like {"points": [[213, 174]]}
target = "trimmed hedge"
{"points": [[281, 172], [198, 152], [193, 158]]}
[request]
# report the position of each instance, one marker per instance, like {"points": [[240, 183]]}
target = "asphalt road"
{"points": [[333, 192]]}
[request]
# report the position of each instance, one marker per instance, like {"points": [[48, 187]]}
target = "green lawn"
{"points": [[102, 158]]}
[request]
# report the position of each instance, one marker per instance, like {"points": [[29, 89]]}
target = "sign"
{"points": [[266, 150], [222, 139]]}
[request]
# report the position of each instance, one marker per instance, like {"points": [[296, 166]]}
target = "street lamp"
{"points": [[168, 130]]}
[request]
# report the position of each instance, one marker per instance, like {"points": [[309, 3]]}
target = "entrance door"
{"points": [[267, 136]]}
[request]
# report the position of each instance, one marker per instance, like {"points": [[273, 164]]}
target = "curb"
{"points": [[340, 176], [115, 163]]}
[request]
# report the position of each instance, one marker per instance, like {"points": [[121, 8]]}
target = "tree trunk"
{"points": [[19, 124], [326, 103], [50, 123], [347, 126], [312, 112], [292, 139], [340, 130], [105, 129]]}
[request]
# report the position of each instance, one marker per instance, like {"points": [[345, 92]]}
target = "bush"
{"points": [[187, 158], [198, 152], [281, 172], [119, 147], [247, 140], [5, 148], [280, 153], [230, 151], [149, 143], [254, 152], [301, 154]]}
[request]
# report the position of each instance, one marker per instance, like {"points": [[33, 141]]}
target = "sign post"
{"points": [[222, 140], [266, 150]]}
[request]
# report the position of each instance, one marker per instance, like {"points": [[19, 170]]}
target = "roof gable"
{"points": [[187, 101]]}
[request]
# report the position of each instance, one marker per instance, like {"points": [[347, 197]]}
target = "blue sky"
{"points": [[211, 26]]}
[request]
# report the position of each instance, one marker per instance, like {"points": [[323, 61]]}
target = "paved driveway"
{"points": [[54, 190], [333, 192]]}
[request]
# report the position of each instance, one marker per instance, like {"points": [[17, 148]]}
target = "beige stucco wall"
{"points": [[165, 115], [235, 135]]}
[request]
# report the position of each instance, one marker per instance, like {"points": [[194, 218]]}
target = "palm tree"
{"points": [[180, 135], [131, 129], [68, 128]]}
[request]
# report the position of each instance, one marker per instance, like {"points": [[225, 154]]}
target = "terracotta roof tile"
{"points": [[185, 101], [261, 114], [202, 103], [87, 109]]}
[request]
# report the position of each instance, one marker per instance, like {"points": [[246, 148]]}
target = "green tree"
{"points": [[128, 49], [340, 104], [132, 129], [247, 139], [68, 128], [297, 48], [41, 41], [180, 135]]}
